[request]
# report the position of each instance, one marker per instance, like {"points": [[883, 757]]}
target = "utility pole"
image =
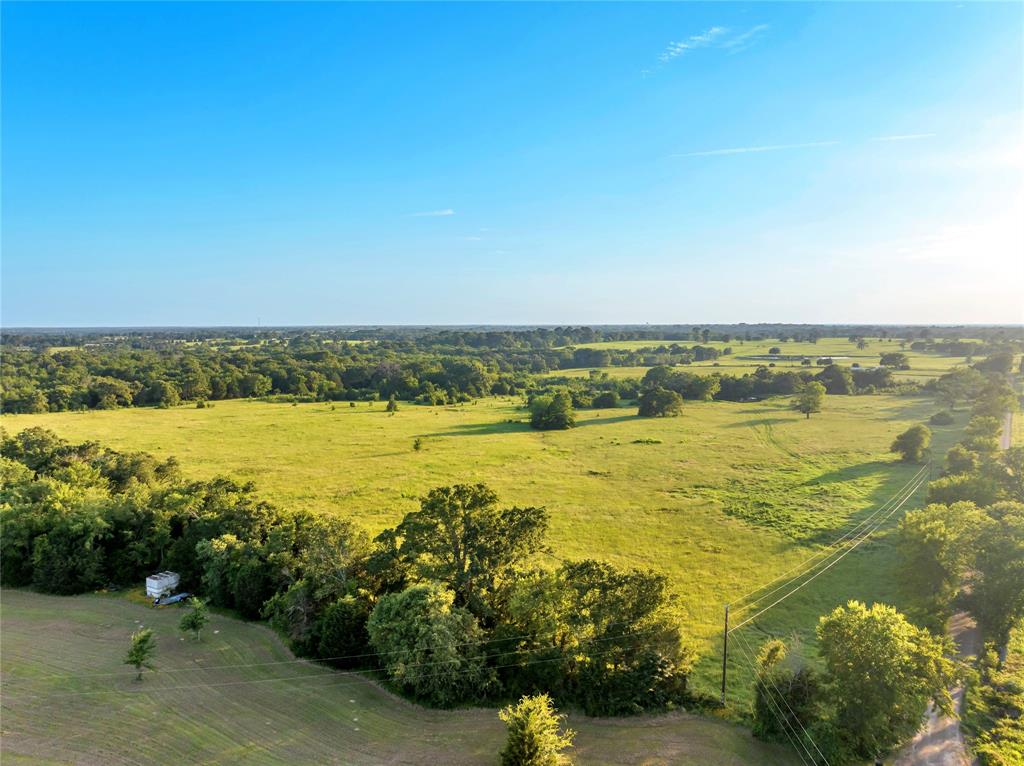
{"points": [[725, 650]]}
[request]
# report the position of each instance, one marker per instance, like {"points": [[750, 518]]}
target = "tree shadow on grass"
{"points": [[520, 426], [759, 422], [853, 472], [580, 423], [482, 429]]}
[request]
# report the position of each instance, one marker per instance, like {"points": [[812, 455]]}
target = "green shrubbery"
{"points": [[912, 444], [994, 706], [551, 413], [659, 402], [534, 737]]}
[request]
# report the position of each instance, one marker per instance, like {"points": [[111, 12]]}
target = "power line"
{"points": [[784, 724], [585, 642], [330, 674], [786, 727], [824, 553], [843, 555], [784, 700], [365, 655], [835, 551], [907, 491], [835, 542]]}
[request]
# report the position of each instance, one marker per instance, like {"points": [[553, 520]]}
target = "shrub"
{"points": [[550, 413], [658, 402], [974, 488], [534, 738], [605, 400], [342, 632], [942, 418], [912, 444]]}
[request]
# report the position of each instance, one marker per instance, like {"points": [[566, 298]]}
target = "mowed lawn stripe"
{"points": [[337, 718]]}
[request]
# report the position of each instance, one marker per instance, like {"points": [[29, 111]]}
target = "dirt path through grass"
{"points": [[940, 742]]}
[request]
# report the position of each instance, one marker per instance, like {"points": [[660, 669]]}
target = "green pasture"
{"points": [[239, 696], [724, 498], [923, 365]]}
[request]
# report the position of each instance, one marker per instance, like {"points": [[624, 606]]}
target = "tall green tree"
{"points": [[936, 545], [163, 393], [912, 444], [997, 595], [552, 413], [1011, 473], [982, 433], [535, 737], [958, 385], [659, 402], [141, 649], [881, 673], [895, 359], [837, 380], [429, 646], [995, 399], [342, 632], [787, 696], [809, 398], [462, 538]]}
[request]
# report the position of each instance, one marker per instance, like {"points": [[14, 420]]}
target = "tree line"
{"points": [[56, 372]]}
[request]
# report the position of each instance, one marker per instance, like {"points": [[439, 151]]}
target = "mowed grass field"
{"points": [[721, 499], [923, 365], [239, 696]]}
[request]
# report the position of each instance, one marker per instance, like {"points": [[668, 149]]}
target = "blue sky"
{"points": [[193, 164]]}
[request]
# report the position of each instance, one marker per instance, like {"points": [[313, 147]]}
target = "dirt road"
{"points": [[940, 741], [1006, 438]]}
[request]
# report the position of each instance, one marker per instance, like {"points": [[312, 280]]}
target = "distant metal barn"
{"points": [[161, 583]]}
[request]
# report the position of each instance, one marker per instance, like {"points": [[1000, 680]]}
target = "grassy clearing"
{"points": [[722, 499], [68, 699]]}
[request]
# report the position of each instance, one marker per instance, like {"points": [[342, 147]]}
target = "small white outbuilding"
{"points": [[161, 584]]}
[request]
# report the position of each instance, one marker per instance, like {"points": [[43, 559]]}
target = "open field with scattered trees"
{"points": [[720, 499], [528, 540], [923, 364]]}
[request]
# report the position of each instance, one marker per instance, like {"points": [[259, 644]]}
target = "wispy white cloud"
{"points": [[433, 213], [754, 149], [712, 37], [904, 137], [744, 40], [676, 49]]}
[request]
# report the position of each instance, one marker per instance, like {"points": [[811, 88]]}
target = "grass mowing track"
{"points": [[68, 699]]}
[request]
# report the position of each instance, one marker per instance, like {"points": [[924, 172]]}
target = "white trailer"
{"points": [[161, 584]]}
